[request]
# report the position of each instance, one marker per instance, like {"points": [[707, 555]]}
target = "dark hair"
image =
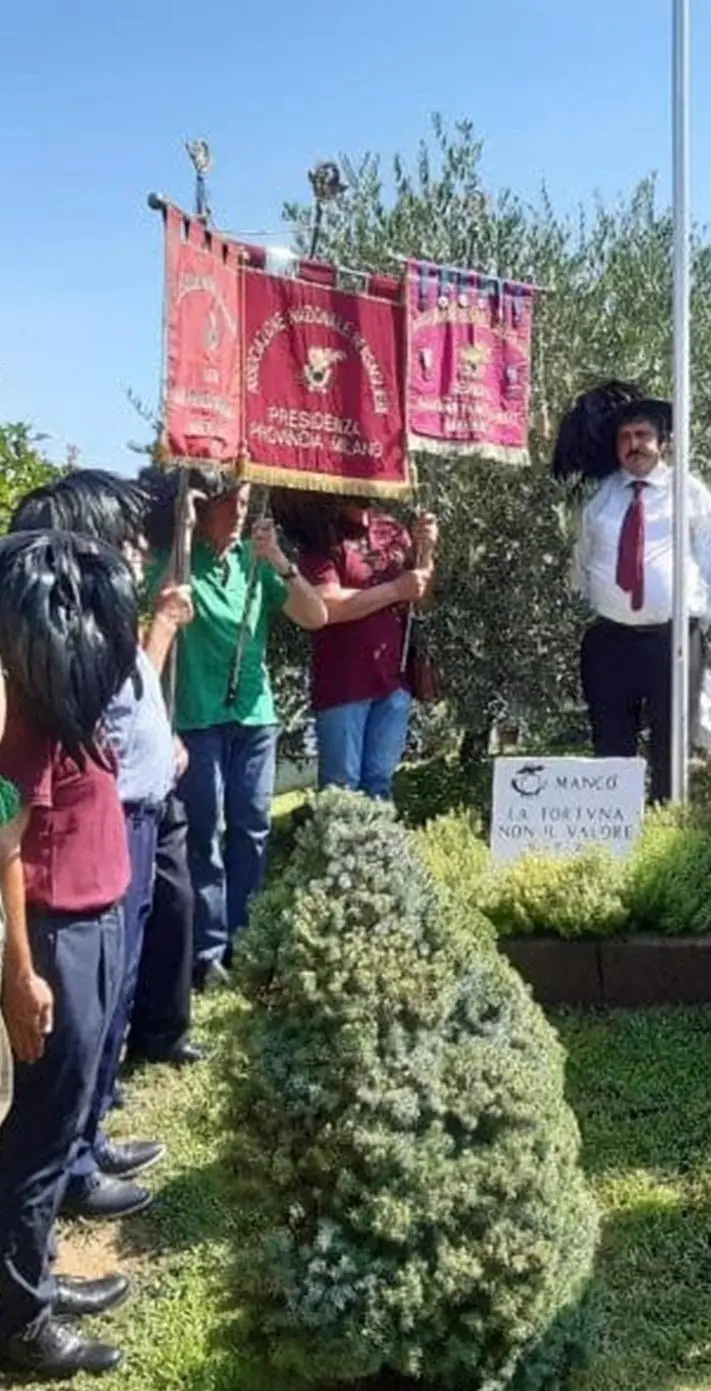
{"points": [[582, 444], [68, 632], [90, 502], [160, 488], [658, 422], [315, 522]]}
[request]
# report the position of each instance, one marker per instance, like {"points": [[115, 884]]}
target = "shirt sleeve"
{"points": [[274, 589], [26, 760], [319, 569]]}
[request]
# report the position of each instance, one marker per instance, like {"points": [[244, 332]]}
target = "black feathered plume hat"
{"points": [[587, 434], [68, 632], [91, 502]]}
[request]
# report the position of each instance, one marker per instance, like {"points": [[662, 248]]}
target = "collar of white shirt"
{"points": [[658, 478]]}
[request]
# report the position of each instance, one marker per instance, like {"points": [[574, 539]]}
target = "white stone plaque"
{"points": [[559, 805]]}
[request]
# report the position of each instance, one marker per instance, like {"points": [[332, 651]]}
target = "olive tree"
{"points": [[23, 466], [504, 629]]}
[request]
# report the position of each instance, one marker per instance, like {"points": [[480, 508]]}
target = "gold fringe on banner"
{"points": [[456, 449], [269, 476], [253, 472]]}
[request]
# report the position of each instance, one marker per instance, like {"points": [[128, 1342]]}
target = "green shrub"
{"points": [[667, 884], [423, 791], [433, 788], [417, 1200], [458, 859], [568, 896]]}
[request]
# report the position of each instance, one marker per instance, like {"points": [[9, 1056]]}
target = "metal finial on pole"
{"points": [[327, 185], [682, 290], [202, 162]]}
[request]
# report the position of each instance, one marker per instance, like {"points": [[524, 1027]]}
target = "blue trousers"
{"points": [[141, 831], [227, 790], [161, 1011], [82, 961], [361, 744]]}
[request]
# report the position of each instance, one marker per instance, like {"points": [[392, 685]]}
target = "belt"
{"points": [[642, 627]]}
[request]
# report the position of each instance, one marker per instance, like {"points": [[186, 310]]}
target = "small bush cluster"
{"points": [[418, 1203], [571, 896], [664, 886], [457, 857], [667, 883]]}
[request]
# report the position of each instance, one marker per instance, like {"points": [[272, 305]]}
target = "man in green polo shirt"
{"points": [[230, 737]]}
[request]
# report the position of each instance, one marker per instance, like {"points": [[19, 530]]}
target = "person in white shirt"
{"points": [[623, 569]]}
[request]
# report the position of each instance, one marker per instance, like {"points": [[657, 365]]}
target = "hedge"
{"points": [[663, 887]]}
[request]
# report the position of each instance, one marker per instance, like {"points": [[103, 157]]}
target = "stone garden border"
{"points": [[616, 972]]}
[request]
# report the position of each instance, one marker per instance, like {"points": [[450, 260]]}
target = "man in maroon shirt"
{"points": [[68, 637], [361, 696]]}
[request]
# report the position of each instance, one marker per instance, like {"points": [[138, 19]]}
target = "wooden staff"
{"points": [[409, 624], [180, 569]]}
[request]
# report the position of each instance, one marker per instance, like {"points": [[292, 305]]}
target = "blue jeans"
{"points": [[361, 744], [227, 790]]}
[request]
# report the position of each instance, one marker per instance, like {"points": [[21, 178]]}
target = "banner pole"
{"points": [[180, 568], [682, 282]]}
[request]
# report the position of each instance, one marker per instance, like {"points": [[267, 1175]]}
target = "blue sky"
{"points": [[96, 101]]}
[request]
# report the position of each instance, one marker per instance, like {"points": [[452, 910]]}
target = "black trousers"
{"points": [[82, 961], [627, 674], [161, 1011]]}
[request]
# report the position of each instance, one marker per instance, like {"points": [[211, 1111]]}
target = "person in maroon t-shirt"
{"points": [[367, 569], [68, 638]]}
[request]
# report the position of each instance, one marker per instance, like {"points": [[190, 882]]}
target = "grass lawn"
{"points": [[641, 1087]]}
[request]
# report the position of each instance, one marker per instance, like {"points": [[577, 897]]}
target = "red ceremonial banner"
{"points": [[469, 363], [202, 416], [323, 377]]}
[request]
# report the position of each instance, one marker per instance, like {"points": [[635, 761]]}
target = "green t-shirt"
{"points": [[207, 646]]}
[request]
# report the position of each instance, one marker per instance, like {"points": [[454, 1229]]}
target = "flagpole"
{"points": [[682, 283]]}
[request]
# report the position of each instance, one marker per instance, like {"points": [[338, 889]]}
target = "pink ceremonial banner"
{"points": [[468, 382], [204, 313]]}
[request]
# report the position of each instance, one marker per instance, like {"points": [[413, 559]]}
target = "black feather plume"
{"points": [[68, 632], [582, 445], [91, 502]]}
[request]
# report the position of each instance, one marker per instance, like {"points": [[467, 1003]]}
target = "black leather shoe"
{"points": [[55, 1352], [125, 1161], [104, 1199], [182, 1053], [77, 1299]]}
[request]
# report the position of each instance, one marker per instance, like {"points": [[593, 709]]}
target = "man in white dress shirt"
{"points": [[623, 568]]}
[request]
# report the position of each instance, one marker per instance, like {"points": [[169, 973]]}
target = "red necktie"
{"points": [[630, 554]]}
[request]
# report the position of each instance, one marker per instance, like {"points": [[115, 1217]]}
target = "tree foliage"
{"points": [[505, 630], [23, 466], [415, 1190]]}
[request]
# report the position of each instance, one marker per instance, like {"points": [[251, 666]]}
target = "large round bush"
{"points": [[418, 1205]]}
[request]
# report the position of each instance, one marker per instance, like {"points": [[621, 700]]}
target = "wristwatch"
{"points": [[292, 573]]}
